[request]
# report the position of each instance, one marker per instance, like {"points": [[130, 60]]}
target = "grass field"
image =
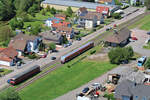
{"points": [[143, 24], [5, 72], [66, 78]]}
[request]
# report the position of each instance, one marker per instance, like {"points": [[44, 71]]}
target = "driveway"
{"points": [[138, 45]]}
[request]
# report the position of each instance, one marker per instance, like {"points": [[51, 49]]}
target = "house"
{"points": [[52, 20], [111, 2], [103, 10], [68, 32], [60, 16], [82, 11], [25, 43], [48, 37], [62, 23], [88, 21], [119, 38], [8, 56], [130, 90]]}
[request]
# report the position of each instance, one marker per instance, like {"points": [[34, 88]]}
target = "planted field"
{"points": [[68, 77]]}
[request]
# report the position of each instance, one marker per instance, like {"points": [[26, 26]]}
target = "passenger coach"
{"points": [[76, 52]]}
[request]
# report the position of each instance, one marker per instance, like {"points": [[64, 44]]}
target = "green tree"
{"points": [[10, 94], [35, 29], [16, 23], [116, 15], [117, 55], [69, 12], [48, 9], [53, 10], [7, 9], [52, 46], [147, 4], [147, 63], [43, 12]]}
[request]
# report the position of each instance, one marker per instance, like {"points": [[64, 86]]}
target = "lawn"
{"points": [[66, 78], [147, 46], [143, 24], [5, 72]]}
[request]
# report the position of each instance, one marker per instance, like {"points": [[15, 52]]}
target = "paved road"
{"points": [[138, 45], [63, 51], [123, 70]]}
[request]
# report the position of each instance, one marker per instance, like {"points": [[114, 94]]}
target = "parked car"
{"points": [[96, 85], [109, 28], [130, 39], [69, 44], [85, 90], [42, 54], [148, 33], [147, 40], [18, 63], [65, 45], [78, 39], [134, 38], [53, 58]]}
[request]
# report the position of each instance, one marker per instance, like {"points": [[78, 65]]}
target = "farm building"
{"points": [[119, 38], [63, 5]]}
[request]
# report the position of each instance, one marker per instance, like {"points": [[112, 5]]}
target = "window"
{"points": [[144, 98]]}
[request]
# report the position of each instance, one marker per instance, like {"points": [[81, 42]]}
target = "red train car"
{"points": [[24, 75], [76, 52]]}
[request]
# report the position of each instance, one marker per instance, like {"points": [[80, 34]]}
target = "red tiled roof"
{"points": [[2, 49], [8, 54], [64, 30], [101, 9], [64, 23]]}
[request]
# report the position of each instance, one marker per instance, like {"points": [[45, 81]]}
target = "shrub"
{"points": [[147, 63], [32, 56], [92, 52], [116, 15]]}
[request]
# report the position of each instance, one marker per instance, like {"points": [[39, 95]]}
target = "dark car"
{"points": [[85, 90], [148, 33], [78, 39], [53, 58]]}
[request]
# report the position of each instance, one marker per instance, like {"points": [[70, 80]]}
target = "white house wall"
{"points": [[88, 24], [5, 63]]}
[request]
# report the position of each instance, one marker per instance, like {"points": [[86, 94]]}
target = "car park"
{"points": [[53, 58], [85, 90]]}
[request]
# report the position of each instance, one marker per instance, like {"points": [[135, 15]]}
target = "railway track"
{"points": [[96, 40], [39, 76]]}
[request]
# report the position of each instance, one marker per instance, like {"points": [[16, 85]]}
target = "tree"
{"points": [[16, 23], [7, 9], [52, 46], [69, 12], [10, 94], [117, 55], [43, 12], [116, 15], [147, 63], [53, 10], [48, 9], [147, 4], [35, 29]]}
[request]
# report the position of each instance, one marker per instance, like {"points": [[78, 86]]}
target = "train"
{"points": [[24, 75], [76, 52]]}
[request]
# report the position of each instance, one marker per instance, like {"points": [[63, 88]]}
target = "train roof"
{"points": [[26, 71], [70, 53]]}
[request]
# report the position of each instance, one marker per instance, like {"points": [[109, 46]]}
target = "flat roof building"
{"points": [[63, 4]]}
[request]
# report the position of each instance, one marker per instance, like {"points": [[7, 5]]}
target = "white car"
{"points": [[96, 85]]}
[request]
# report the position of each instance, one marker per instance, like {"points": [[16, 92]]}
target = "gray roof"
{"points": [[130, 88], [78, 4], [26, 71]]}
